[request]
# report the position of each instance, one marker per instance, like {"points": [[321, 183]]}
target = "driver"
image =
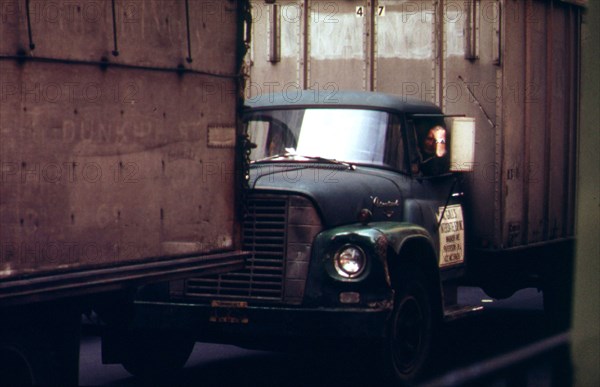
{"points": [[433, 150]]}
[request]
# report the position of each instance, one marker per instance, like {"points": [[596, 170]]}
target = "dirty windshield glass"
{"points": [[348, 135]]}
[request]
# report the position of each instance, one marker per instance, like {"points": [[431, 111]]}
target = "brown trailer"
{"points": [[118, 151]]}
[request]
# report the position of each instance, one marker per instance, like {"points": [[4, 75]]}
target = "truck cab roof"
{"points": [[341, 99]]}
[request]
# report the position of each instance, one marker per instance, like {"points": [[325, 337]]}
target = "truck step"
{"points": [[455, 312]]}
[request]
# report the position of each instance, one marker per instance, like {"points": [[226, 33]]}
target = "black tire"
{"points": [[407, 347], [149, 356]]}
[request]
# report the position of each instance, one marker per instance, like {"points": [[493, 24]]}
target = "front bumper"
{"points": [[264, 323]]}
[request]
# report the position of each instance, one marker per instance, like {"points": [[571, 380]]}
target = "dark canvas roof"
{"points": [[295, 99]]}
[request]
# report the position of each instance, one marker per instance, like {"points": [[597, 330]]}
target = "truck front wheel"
{"points": [[408, 342]]}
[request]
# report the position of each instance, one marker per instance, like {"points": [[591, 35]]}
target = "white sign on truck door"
{"points": [[452, 235]]}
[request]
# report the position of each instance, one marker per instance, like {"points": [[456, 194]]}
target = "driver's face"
{"points": [[435, 142], [429, 143]]}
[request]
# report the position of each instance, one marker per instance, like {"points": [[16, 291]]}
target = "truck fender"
{"points": [[400, 235], [410, 244]]}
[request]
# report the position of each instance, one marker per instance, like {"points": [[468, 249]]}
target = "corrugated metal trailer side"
{"points": [[539, 121], [513, 65], [118, 132]]}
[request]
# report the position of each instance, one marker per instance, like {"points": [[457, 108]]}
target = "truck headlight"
{"points": [[350, 261]]}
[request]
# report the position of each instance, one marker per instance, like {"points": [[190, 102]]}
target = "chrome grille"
{"points": [[264, 235], [278, 230]]}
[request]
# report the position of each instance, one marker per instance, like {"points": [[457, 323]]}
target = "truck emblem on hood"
{"points": [[387, 206]]}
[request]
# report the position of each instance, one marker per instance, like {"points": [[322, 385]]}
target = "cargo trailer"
{"points": [[119, 156]]}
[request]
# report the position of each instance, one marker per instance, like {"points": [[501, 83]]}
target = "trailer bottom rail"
{"points": [[105, 279]]}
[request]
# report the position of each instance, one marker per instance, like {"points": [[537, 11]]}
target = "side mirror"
{"points": [[462, 144]]}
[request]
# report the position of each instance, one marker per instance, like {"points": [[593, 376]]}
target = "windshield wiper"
{"points": [[326, 160], [311, 158], [273, 157]]}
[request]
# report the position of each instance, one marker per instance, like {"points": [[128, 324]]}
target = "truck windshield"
{"points": [[348, 135]]}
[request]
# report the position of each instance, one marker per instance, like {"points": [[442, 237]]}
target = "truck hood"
{"points": [[338, 192]]}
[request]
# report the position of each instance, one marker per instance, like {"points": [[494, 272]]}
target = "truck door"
{"points": [[435, 194]]}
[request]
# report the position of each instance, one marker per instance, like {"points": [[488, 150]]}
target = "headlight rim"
{"points": [[338, 267]]}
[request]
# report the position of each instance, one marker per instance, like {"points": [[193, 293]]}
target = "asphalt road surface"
{"points": [[503, 327]]}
